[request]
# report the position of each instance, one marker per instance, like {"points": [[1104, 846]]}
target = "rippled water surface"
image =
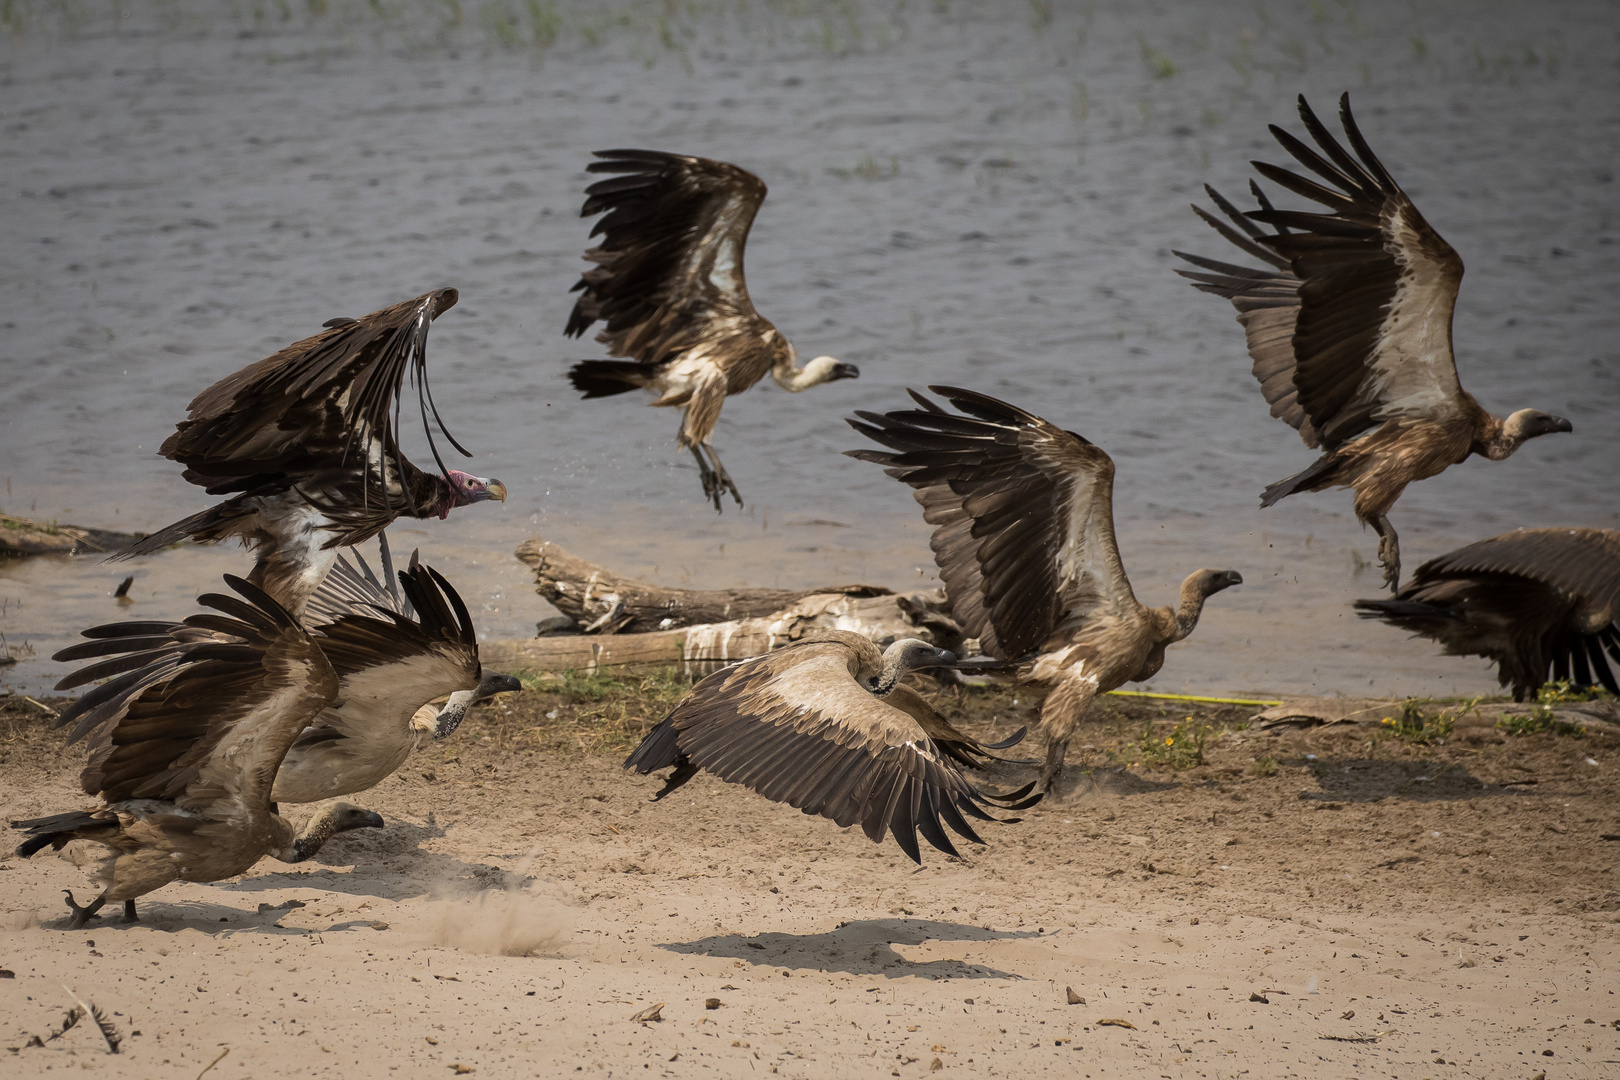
{"points": [[960, 193]]}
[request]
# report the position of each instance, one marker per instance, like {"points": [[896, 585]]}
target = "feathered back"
{"points": [[1023, 509], [669, 271], [1350, 323]]}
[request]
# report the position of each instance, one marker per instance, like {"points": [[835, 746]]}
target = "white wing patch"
{"points": [[1413, 370]]}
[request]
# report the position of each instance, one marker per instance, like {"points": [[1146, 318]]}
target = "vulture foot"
{"points": [[1053, 769], [1389, 552], [716, 481], [129, 912], [82, 913]]}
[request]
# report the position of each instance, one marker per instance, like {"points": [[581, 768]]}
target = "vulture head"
{"points": [[908, 654], [466, 489], [338, 818], [822, 369], [1210, 582], [1528, 423]]}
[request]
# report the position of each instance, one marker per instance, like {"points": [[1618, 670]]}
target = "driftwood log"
{"points": [[20, 536], [759, 619], [602, 602]]}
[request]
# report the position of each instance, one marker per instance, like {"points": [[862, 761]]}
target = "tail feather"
{"points": [[58, 830], [604, 378], [1396, 610], [205, 526], [1318, 476]]}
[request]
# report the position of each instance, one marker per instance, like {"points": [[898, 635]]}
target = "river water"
{"points": [[978, 194]]}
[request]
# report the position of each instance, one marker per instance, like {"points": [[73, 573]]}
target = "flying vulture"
{"points": [[668, 286], [1025, 543], [826, 726], [185, 771], [391, 657], [306, 443], [1533, 600], [1349, 325]]}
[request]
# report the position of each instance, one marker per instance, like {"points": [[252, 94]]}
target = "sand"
{"points": [[1405, 911]]}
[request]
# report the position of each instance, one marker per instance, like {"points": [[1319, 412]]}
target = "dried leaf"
{"points": [[650, 1013], [1261, 998], [1114, 1022]]}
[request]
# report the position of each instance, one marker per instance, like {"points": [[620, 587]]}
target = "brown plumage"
{"points": [[392, 656], [826, 726], [185, 773], [668, 287], [1540, 603], [1349, 326], [306, 444], [1024, 539]]}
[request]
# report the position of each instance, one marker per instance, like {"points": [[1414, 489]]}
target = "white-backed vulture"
{"points": [[306, 444], [391, 658], [1024, 540], [825, 726], [1349, 326], [668, 286], [185, 772], [1537, 602]]}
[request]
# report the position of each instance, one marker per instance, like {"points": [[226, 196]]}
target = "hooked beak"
{"points": [[1232, 577], [844, 371], [943, 658], [492, 683], [493, 489], [370, 820], [1560, 424]]}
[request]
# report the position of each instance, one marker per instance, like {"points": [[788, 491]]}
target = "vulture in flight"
{"points": [[668, 286], [1533, 601], [826, 726], [185, 771], [1349, 326], [306, 444], [1024, 540], [391, 657]]}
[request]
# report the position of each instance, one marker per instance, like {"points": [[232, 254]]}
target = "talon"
{"points": [[82, 913]]}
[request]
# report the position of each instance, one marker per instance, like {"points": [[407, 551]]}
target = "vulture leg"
{"points": [[1389, 551], [1054, 763], [129, 912], [722, 479], [711, 483], [1061, 712], [83, 913]]}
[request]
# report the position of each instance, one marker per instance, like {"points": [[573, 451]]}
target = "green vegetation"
{"points": [[1182, 748], [1415, 726], [1540, 718], [1264, 766], [597, 712]]}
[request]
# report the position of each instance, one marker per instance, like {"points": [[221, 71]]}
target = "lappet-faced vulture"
{"points": [[826, 726], [392, 657], [306, 443], [1349, 327], [668, 287], [1024, 540], [185, 772], [1540, 603]]}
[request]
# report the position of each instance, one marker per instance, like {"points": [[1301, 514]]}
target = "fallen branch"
{"points": [[20, 536]]}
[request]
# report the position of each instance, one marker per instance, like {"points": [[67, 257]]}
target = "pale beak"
{"points": [[494, 489]]}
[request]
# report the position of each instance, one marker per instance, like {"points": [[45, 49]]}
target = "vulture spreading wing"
{"points": [[798, 727], [1023, 511], [1540, 603], [669, 271], [307, 444], [389, 665], [1349, 322]]}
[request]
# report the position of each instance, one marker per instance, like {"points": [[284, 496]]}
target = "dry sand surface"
{"points": [[1405, 911]]}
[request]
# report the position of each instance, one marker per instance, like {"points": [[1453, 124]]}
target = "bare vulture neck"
{"points": [[1193, 596], [793, 379]]}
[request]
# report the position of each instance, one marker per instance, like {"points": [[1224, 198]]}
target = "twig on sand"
{"points": [[216, 1061]]}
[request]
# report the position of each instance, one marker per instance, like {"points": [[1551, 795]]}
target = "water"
{"points": [[959, 194]]}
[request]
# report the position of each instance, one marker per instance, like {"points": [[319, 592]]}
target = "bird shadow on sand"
{"points": [[215, 920], [861, 947], [389, 863], [1113, 782], [1366, 780]]}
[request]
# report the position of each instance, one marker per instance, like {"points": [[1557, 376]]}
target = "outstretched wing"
{"points": [[1024, 515], [796, 727], [1534, 600], [330, 401], [213, 717], [1349, 324], [669, 268]]}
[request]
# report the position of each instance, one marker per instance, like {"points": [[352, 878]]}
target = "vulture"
{"points": [[185, 770], [826, 726], [668, 286], [306, 444], [1533, 601], [391, 657], [1024, 540], [1349, 326]]}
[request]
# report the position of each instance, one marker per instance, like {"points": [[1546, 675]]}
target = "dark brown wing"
{"points": [[216, 723], [1350, 325], [1024, 515], [328, 402], [796, 727], [669, 268], [1537, 601]]}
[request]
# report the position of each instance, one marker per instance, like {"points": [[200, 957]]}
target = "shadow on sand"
{"points": [[862, 947]]}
